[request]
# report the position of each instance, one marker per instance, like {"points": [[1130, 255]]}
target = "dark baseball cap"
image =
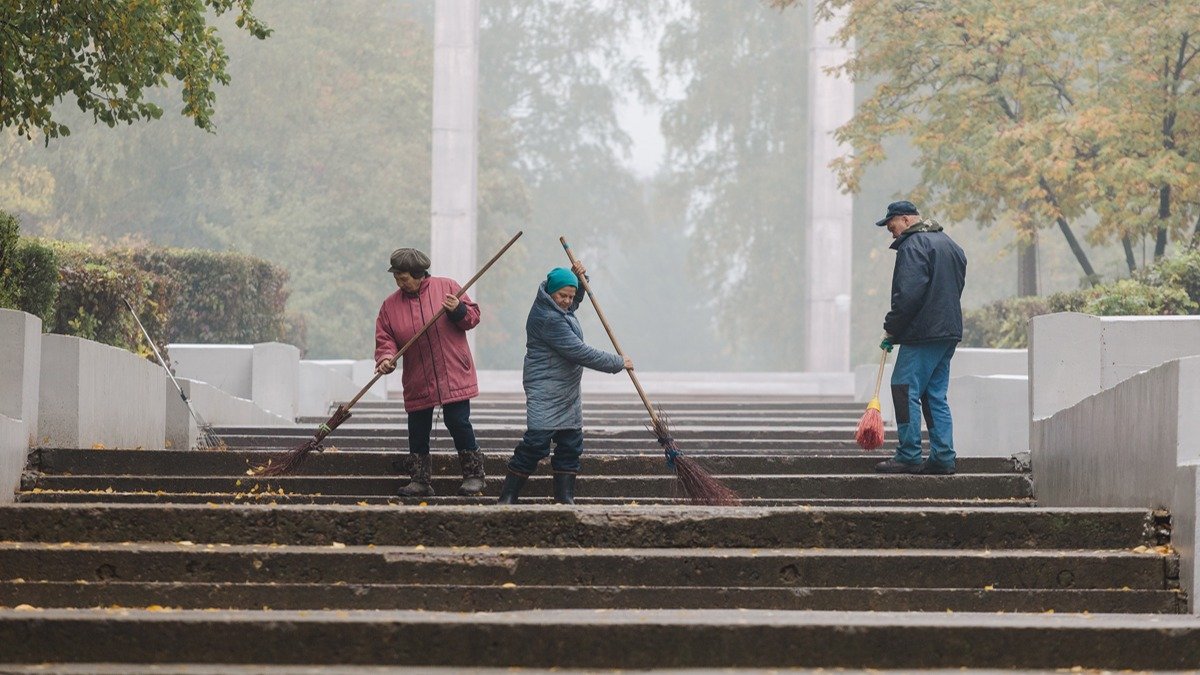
{"points": [[901, 208]]}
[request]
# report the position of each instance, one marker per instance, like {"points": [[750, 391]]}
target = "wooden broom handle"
{"points": [[608, 329], [471, 282], [879, 375]]}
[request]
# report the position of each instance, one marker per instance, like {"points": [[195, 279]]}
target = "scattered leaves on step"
{"points": [[419, 547], [362, 504], [25, 608], [989, 587], [508, 584], [98, 446], [1154, 550], [337, 544], [185, 542]]}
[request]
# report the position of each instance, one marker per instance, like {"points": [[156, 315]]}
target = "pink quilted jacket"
{"points": [[438, 369]]}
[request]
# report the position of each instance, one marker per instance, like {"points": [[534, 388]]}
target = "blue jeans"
{"points": [[535, 445], [456, 417], [919, 383]]}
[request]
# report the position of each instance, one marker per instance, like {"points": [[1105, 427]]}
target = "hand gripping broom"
{"points": [[296, 456], [698, 485], [869, 434]]}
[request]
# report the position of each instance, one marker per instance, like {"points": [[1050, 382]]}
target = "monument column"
{"points": [[828, 236], [455, 138]]}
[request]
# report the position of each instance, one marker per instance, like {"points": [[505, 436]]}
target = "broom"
{"points": [[869, 435], [296, 456], [698, 485], [207, 437]]}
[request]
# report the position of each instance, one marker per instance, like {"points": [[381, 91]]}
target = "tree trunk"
{"points": [[1196, 235], [1164, 213], [1027, 258], [1077, 249], [1130, 261]]}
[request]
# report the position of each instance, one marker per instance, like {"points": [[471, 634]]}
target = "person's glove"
{"points": [[886, 344]]}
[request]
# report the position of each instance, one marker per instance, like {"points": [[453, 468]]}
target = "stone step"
{"points": [[399, 443], [159, 497], [514, 432], [590, 422], [488, 566], [799, 486], [235, 462], [633, 405], [646, 638], [589, 526], [460, 598]]}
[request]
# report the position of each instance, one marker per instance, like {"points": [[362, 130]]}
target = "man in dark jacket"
{"points": [[926, 321]]}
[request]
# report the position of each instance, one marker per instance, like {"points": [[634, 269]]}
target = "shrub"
{"points": [[219, 297], [28, 271], [1169, 287], [1129, 297], [92, 289]]}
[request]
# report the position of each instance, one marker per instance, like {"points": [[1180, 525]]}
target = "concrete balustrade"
{"points": [[214, 406], [14, 446], [1077, 355], [322, 385], [93, 394], [1134, 444], [267, 373], [20, 363], [991, 415]]}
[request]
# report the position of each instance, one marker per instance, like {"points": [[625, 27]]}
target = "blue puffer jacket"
{"points": [[555, 356], [927, 286]]}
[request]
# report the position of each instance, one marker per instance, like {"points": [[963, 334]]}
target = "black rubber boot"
{"points": [[564, 488], [420, 469], [471, 462], [513, 483]]}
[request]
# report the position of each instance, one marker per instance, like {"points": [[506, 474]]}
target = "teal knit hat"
{"points": [[559, 277]]}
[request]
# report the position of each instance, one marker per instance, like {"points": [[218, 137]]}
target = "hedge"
{"points": [[1171, 287], [180, 295]]}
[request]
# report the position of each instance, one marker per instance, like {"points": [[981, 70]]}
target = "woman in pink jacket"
{"points": [[438, 368]]}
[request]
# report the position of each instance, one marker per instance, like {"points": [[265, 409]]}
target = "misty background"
{"points": [[665, 139]]}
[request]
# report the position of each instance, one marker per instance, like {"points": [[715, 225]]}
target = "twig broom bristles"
{"points": [[869, 434], [297, 455], [698, 485]]}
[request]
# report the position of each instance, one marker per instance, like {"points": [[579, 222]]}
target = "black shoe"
{"points": [[564, 488], [471, 462], [893, 466], [931, 468], [420, 470], [513, 483]]}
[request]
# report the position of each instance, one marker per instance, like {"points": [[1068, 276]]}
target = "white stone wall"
{"points": [[991, 415], [93, 394], [20, 368], [321, 386], [215, 407], [267, 373], [970, 361], [14, 449], [1131, 445], [1077, 355], [226, 367], [275, 378]]}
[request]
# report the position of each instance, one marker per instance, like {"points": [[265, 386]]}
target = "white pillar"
{"points": [[829, 235], [455, 137]]}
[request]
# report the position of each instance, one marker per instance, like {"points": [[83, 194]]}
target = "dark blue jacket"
{"points": [[927, 286], [555, 356]]}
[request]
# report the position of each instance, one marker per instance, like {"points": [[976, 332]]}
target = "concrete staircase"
{"points": [[135, 557]]}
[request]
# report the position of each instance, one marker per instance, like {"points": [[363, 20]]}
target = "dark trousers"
{"points": [[456, 417], [535, 445]]}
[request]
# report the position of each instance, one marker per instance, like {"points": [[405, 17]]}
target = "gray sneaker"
{"points": [[893, 466]]}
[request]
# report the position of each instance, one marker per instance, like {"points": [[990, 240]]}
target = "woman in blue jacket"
{"points": [[555, 356]]}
